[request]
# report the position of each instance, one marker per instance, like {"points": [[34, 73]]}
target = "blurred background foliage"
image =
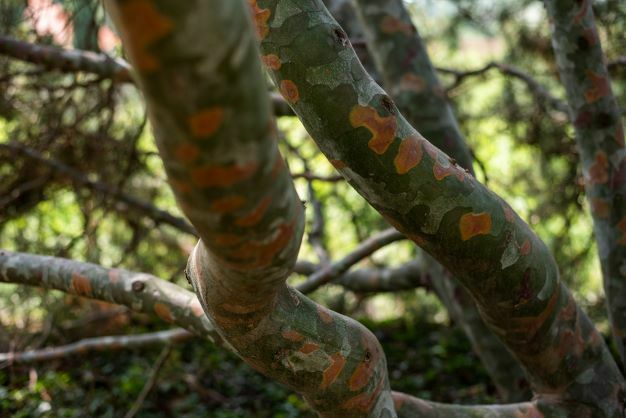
{"points": [[96, 129]]}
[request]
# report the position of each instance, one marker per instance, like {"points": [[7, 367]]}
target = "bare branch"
{"points": [[107, 343], [536, 88], [67, 60], [336, 269], [102, 65], [140, 292]]}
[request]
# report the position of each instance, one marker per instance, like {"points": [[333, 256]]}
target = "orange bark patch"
{"points": [[600, 207], [622, 228], [143, 25], [186, 153], [206, 122], [255, 216], [442, 165], [163, 312], [598, 172], [272, 61], [584, 7], [289, 90], [529, 326], [338, 164], [591, 36], [262, 253], [509, 215], [391, 25], [222, 175], [228, 204], [383, 129], [332, 372], [525, 248], [324, 315], [81, 284], [260, 16], [114, 276], [227, 240], [292, 335], [365, 401], [474, 224], [409, 154], [362, 374], [600, 87], [309, 348], [196, 308], [529, 412], [242, 309], [279, 164], [180, 186], [413, 82]]}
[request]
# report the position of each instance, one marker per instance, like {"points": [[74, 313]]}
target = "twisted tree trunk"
{"points": [[210, 111]]}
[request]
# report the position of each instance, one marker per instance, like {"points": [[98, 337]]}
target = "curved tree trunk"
{"points": [[210, 111]]}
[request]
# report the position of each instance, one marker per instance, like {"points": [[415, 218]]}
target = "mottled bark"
{"points": [[140, 292], [198, 65], [427, 196], [402, 59], [600, 139]]}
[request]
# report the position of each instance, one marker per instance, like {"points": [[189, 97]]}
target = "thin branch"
{"points": [[67, 60], [407, 276], [536, 88], [336, 269], [102, 65], [315, 177], [107, 343], [139, 292]]}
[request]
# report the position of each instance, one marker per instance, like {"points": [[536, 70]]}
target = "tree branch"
{"points": [[407, 276], [402, 58], [68, 61], [78, 61], [336, 269], [538, 90], [425, 195], [87, 345], [219, 146], [600, 138], [139, 292]]}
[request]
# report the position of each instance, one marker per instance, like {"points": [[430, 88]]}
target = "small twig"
{"points": [[150, 383], [108, 343], [336, 269], [537, 88]]}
